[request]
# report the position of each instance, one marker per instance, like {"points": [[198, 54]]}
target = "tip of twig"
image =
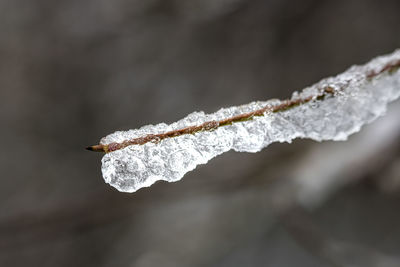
{"points": [[96, 148]]}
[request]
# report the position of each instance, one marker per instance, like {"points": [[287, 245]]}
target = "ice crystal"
{"points": [[358, 99]]}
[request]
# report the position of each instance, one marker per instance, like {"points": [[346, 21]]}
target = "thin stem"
{"points": [[212, 125]]}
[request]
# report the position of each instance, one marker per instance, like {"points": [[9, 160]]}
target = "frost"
{"points": [[358, 99]]}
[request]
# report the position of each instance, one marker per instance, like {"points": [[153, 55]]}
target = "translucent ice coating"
{"points": [[361, 94]]}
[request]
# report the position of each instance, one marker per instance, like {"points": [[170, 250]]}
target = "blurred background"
{"points": [[74, 71]]}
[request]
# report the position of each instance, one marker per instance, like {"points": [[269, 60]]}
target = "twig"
{"points": [[212, 125]]}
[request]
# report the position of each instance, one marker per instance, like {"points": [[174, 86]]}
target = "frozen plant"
{"points": [[331, 109]]}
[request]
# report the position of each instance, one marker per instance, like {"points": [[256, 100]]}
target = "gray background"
{"points": [[72, 71]]}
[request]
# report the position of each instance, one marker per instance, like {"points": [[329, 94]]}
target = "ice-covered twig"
{"points": [[211, 125], [332, 109]]}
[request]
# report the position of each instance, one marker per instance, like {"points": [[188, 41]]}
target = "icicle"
{"points": [[332, 109]]}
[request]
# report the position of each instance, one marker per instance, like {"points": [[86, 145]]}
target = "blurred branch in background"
{"points": [[335, 253]]}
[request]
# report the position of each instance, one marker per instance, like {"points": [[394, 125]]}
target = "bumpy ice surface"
{"points": [[358, 101]]}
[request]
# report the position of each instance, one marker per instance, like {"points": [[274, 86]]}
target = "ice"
{"points": [[358, 99]]}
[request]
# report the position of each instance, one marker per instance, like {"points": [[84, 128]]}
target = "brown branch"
{"points": [[211, 125], [390, 67]]}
